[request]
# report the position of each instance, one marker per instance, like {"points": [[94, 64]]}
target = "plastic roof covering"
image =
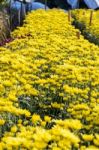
{"points": [[32, 6], [93, 4]]}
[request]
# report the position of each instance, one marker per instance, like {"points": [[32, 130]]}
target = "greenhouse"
{"points": [[49, 75]]}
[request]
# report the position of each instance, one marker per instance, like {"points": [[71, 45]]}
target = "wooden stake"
{"points": [[78, 34], [69, 15], [91, 17]]}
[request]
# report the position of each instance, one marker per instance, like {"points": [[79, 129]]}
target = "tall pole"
{"points": [[45, 4], [78, 3], [91, 17], [10, 14]]}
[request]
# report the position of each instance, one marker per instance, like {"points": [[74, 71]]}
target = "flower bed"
{"points": [[49, 86], [88, 26]]}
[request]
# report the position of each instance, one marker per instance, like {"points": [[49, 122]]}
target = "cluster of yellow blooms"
{"points": [[49, 86], [59, 137], [37, 138], [87, 20]]}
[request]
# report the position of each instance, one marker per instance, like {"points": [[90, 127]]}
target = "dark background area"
{"points": [[61, 4]]}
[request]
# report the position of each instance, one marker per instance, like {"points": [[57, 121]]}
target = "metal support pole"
{"points": [[45, 4], [78, 3], [10, 14]]}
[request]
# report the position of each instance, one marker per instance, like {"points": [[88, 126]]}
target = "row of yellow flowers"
{"points": [[60, 137], [49, 86], [87, 21]]}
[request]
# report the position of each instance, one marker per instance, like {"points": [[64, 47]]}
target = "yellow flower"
{"points": [[36, 118], [14, 129], [7, 83], [19, 121], [56, 148], [2, 122], [47, 118], [43, 123], [87, 137]]}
